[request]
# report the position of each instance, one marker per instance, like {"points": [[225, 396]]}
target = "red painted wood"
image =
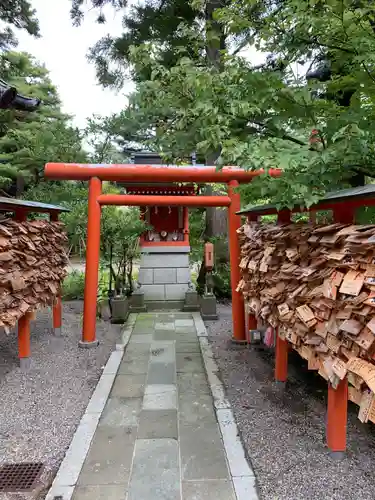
{"points": [[151, 173]]}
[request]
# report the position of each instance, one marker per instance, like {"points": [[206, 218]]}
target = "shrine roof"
{"points": [[10, 204], [344, 195], [10, 98]]}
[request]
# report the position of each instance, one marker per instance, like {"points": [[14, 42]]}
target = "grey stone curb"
{"points": [[70, 468], [127, 331], [243, 478]]}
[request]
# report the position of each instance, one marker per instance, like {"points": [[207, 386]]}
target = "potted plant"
{"points": [[121, 228]]}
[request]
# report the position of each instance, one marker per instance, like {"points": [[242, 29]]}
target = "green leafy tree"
{"points": [[29, 139], [105, 138], [121, 228], [176, 27], [262, 117], [150, 21], [16, 14]]}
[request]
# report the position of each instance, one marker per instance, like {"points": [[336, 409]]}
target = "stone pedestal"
{"points": [[120, 310], [164, 275], [137, 302], [208, 307], [191, 301]]}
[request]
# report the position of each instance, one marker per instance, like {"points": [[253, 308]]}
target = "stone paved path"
{"points": [[158, 437]]}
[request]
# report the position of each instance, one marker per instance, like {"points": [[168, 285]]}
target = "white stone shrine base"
{"points": [[164, 273]]}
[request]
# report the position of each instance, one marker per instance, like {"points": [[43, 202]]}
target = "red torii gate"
{"points": [[95, 174]]}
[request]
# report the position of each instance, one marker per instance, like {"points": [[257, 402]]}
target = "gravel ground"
{"points": [[283, 431], [41, 408]]}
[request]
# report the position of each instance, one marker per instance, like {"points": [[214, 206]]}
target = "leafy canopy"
{"points": [[261, 117], [29, 139], [16, 14]]}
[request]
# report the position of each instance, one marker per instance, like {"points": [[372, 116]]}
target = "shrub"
{"points": [[73, 286], [221, 277]]}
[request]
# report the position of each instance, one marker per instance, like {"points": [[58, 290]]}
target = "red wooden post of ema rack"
{"points": [[252, 321], [24, 350], [57, 306], [337, 414], [281, 355], [337, 407], [238, 306]]}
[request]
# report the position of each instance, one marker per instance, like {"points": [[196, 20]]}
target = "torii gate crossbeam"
{"points": [[95, 174]]}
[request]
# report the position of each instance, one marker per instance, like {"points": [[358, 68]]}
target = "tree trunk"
{"points": [[214, 45], [20, 185]]}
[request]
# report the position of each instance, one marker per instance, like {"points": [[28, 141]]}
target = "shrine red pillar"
{"points": [[92, 265], [281, 355], [234, 223], [337, 406], [186, 225]]}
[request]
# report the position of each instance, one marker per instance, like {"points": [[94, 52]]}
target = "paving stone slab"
{"points": [[221, 489], [155, 474], [186, 362], [133, 366], [141, 339], [163, 352], [182, 330], [196, 409], [102, 492], [156, 424], [143, 330], [190, 339], [189, 347], [192, 384], [202, 453], [164, 325], [162, 317], [180, 322], [137, 351], [121, 412], [160, 397], [164, 335], [110, 457], [129, 386], [161, 373], [147, 320]]}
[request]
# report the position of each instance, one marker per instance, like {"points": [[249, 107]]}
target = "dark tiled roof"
{"points": [[361, 192]]}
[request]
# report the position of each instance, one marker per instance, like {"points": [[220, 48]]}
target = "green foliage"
{"points": [[365, 215], [155, 21], [262, 117], [121, 228], [72, 195], [196, 228], [102, 136], [29, 140], [73, 286], [16, 14], [222, 286], [221, 273]]}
